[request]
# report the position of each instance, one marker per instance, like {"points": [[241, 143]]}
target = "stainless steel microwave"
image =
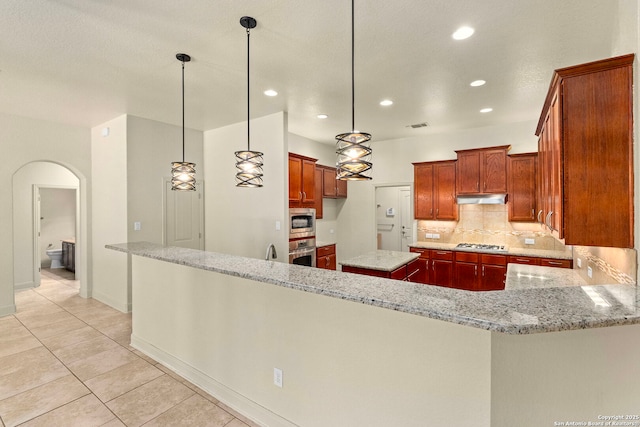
{"points": [[302, 222]]}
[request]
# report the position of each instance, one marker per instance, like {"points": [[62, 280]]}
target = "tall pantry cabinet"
{"points": [[585, 154]]}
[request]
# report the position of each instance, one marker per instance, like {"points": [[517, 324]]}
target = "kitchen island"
{"points": [[390, 264], [379, 351]]}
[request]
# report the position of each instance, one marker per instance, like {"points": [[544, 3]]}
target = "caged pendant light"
{"points": [[248, 163], [183, 173], [352, 148]]}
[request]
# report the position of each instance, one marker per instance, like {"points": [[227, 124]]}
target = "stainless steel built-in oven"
{"points": [[303, 252], [302, 223]]}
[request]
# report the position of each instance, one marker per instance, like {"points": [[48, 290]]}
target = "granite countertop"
{"points": [[321, 243], [381, 260], [540, 253], [523, 311], [521, 276], [71, 240]]}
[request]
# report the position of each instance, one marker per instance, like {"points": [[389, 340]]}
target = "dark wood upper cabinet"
{"points": [[434, 190], [585, 142], [302, 178], [521, 177], [482, 171], [332, 188]]}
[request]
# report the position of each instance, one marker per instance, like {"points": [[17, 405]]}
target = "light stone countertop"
{"points": [[540, 253], [381, 260], [523, 311], [521, 276], [321, 243]]}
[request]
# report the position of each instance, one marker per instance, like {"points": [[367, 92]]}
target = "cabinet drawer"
{"points": [[467, 256], [494, 259], [325, 250], [413, 266], [424, 253], [560, 263], [399, 273], [446, 255], [517, 259]]}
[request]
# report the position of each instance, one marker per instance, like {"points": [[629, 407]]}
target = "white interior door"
{"points": [[389, 218], [184, 219], [406, 219]]}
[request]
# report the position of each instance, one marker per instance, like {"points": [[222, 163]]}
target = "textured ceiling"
{"points": [[84, 62]]}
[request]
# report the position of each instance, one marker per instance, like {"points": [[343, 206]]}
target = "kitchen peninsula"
{"points": [[356, 343]]}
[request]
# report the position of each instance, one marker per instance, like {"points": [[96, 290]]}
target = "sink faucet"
{"points": [[271, 249]]}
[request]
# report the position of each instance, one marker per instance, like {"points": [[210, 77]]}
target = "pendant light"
{"points": [[248, 163], [183, 173], [352, 148]]}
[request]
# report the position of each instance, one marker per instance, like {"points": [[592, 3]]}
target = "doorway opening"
{"points": [[394, 218], [49, 211]]}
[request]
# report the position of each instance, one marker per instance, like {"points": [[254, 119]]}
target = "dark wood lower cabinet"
{"points": [[410, 272], [69, 256], [326, 257]]}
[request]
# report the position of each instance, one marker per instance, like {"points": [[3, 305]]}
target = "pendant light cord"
{"points": [[182, 111], [353, 91], [248, 94]]}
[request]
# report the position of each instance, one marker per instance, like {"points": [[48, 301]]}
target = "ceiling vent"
{"points": [[419, 125]]}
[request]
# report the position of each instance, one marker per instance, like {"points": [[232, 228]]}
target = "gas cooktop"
{"points": [[481, 247]]}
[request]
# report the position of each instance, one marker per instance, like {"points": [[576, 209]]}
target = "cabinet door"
{"points": [[318, 192], [493, 277], [555, 166], [559, 263], [466, 276], [441, 272], [522, 187], [308, 182], [445, 191], [516, 259], [423, 191], [468, 173], [295, 181], [493, 172], [329, 182], [341, 188]]}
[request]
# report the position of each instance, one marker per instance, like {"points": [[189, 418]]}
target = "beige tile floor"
{"points": [[66, 361]]}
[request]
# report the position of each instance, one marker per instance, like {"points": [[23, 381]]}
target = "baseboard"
{"points": [[125, 308], [24, 285], [252, 410], [6, 310]]}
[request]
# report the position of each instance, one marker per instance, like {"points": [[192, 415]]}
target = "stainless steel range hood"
{"points": [[481, 199]]}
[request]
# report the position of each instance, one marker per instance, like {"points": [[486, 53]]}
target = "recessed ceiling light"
{"points": [[486, 110], [322, 116], [270, 92], [476, 83], [463, 33], [386, 102]]}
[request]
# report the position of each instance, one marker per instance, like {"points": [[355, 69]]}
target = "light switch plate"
{"points": [[590, 272], [428, 236], [436, 235], [529, 241], [579, 262]]}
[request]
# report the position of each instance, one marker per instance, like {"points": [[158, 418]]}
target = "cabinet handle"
{"points": [[304, 196], [433, 264], [300, 195], [533, 213], [475, 271], [554, 263], [539, 215], [431, 212], [522, 260], [483, 271], [478, 185], [548, 221], [485, 185], [437, 212]]}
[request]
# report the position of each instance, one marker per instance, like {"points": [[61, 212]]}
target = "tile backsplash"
{"points": [[489, 224]]}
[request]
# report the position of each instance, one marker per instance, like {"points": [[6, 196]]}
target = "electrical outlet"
{"points": [[277, 225], [436, 235], [137, 226], [428, 236], [277, 377], [590, 272], [529, 241], [579, 262]]}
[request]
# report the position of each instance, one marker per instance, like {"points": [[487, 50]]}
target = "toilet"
{"points": [[56, 257]]}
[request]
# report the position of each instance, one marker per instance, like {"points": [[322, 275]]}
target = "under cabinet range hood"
{"points": [[481, 199]]}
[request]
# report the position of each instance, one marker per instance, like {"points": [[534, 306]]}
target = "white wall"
{"points": [[58, 219], [392, 165], [27, 140], [241, 221], [109, 201], [151, 147], [41, 173]]}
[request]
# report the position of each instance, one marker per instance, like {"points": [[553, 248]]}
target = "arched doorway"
{"points": [[29, 181]]}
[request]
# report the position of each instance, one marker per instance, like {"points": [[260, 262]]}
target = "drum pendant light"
{"points": [[352, 148], [183, 173], [248, 163]]}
